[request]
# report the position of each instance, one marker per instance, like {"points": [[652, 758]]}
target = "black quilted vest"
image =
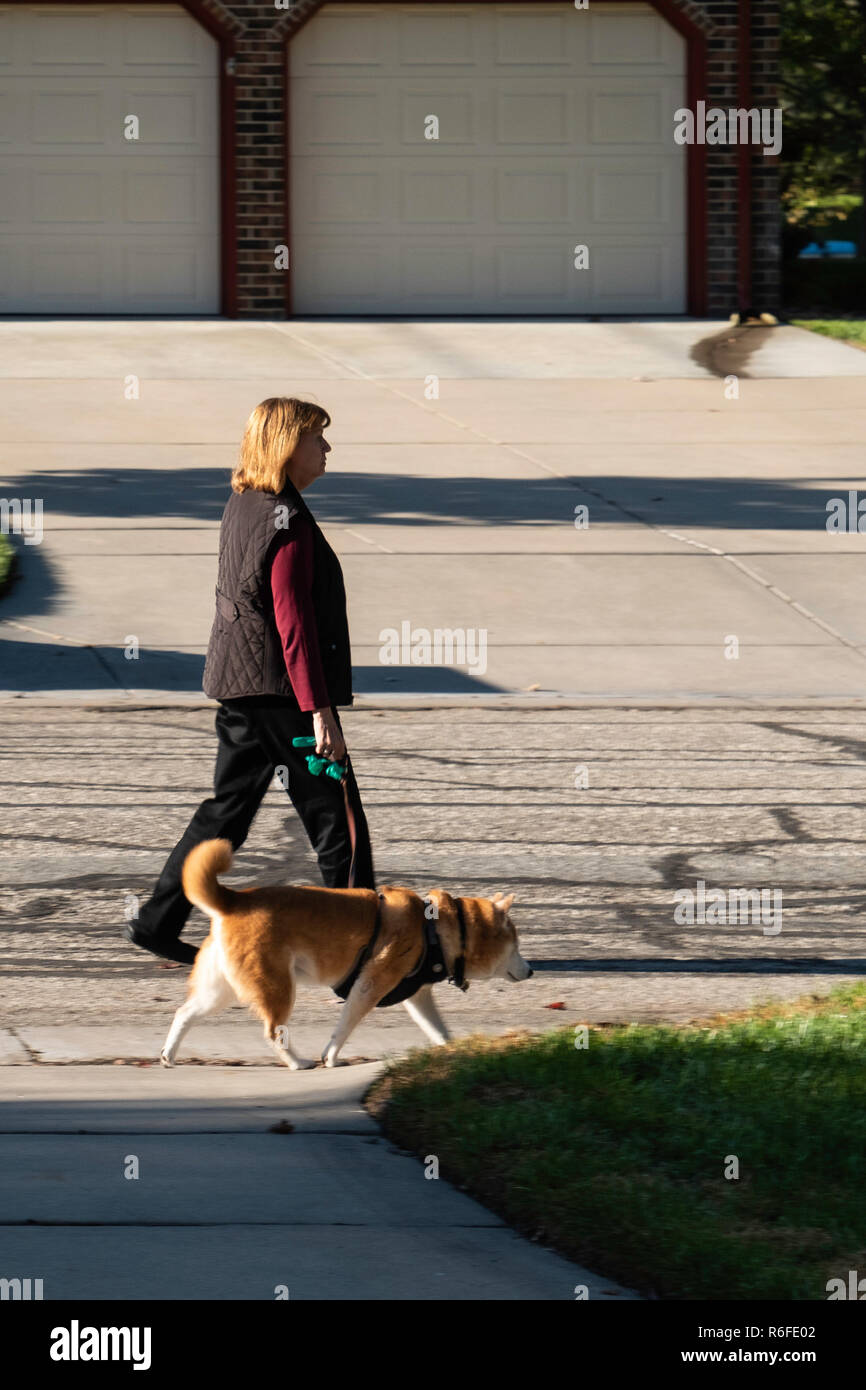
{"points": [[245, 656]]}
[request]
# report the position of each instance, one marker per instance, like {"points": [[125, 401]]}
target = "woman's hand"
{"points": [[329, 740]]}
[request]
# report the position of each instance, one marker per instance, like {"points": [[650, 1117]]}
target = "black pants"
{"points": [[255, 738]]}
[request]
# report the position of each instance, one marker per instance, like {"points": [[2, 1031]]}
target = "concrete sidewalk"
{"points": [[223, 1207]]}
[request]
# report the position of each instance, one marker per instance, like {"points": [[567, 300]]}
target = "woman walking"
{"points": [[278, 662]]}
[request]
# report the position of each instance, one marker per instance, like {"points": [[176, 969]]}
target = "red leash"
{"points": [[353, 838]]}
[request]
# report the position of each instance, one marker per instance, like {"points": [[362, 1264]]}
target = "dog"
{"points": [[264, 941]]}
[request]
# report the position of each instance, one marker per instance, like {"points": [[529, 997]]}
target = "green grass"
{"points": [[842, 203], [7, 561], [849, 330], [615, 1155], [825, 211]]}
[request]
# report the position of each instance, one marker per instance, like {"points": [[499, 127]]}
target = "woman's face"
{"points": [[307, 463]]}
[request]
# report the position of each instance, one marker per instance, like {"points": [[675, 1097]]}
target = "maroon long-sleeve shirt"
{"points": [[291, 586]]}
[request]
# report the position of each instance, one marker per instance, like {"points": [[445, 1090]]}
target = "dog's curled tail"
{"points": [[200, 869]]}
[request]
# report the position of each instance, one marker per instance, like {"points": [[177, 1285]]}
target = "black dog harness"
{"points": [[429, 968]]}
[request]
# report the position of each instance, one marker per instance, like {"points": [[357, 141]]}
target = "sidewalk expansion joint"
{"points": [[33, 1057]]}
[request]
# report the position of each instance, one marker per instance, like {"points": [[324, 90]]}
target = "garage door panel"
{"points": [[343, 197], [168, 117], [173, 119], [345, 117], [437, 195], [447, 276], [90, 117], [7, 38], [160, 198], [49, 196], [67, 117], [69, 277], [339, 193], [336, 194], [58, 198], [162, 274], [88, 39], [432, 37], [648, 194], [433, 269], [532, 118], [631, 276], [150, 205], [354, 278], [533, 197], [390, 116], [644, 43], [153, 39], [619, 196], [458, 113], [61, 196], [343, 37], [482, 117], [556, 130], [542, 274], [627, 118], [541, 35], [51, 277], [62, 37]]}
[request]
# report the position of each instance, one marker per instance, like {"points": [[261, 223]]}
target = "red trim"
{"points": [[228, 185], [228, 239], [696, 175], [696, 163], [287, 169], [744, 160]]}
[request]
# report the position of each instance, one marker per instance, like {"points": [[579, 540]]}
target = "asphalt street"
{"points": [[476, 800]]}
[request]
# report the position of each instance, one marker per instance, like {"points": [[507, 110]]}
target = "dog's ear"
{"points": [[503, 902]]}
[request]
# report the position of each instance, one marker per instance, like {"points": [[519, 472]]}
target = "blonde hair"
{"points": [[270, 438]]}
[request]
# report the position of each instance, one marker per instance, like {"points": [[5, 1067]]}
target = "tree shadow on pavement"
{"points": [[141, 499], [350, 499]]}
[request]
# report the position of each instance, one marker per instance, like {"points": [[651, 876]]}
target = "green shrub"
{"points": [[824, 286]]}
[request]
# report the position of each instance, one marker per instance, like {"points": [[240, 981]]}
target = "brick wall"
{"points": [[766, 220], [260, 31]]}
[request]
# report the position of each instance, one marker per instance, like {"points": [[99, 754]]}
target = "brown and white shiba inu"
{"points": [[263, 941]]}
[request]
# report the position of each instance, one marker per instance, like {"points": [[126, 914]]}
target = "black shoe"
{"points": [[170, 948]]}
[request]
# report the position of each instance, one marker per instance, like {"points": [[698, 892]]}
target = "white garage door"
{"points": [[555, 130], [90, 221]]}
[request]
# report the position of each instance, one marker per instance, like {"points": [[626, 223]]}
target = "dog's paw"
{"points": [[302, 1064], [165, 1060]]}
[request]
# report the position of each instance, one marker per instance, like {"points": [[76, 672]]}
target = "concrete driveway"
{"points": [[461, 451]]}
